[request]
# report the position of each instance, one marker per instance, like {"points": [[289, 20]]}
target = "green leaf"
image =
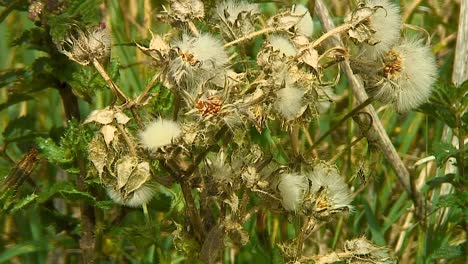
{"points": [[437, 181], [14, 99], [24, 202], [67, 191], [23, 248], [20, 129], [443, 151], [52, 152], [12, 76], [447, 252]]}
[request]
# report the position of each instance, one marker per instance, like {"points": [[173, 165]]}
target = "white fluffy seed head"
{"points": [[283, 45], [235, 13], [289, 102], [325, 177], [386, 22], [410, 72], [160, 133], [139, 197], [198, 58], [291, 187], [305, 26]]}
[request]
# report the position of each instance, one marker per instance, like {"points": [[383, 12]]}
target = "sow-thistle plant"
{"points": [[225, 98]]}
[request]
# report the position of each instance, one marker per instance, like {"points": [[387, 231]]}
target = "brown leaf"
{"points": [[139, 177], [102, 116], [97, 153], [125, 167], [108, 132]]}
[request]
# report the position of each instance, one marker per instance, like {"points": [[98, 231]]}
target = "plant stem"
{"points": [[112, 85], [253, 35]]}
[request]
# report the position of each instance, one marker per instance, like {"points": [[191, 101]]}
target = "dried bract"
{"points": [[364, 251], [236, 17], [158, 49]]}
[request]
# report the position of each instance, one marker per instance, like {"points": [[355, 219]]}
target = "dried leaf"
{"points": [[108, 132], [103, 116], [124, 168], [233, 202], [139, 177], [121, 118], [97, 153], [311, 58]]}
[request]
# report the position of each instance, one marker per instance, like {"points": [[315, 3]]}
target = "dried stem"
{"points": [[193, 29], [253, 35], [378, 130], [112, 85]]}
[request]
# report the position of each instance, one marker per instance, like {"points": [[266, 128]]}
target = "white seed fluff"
{"points": [[289, 102], [139, 197], [386, 22], [324, 176], [199, 58], [305, 26], [411, 72], [233, 12], [292, 188], [160, 133], [283, 45]]}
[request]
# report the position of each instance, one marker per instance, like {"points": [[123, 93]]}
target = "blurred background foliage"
{"points": [[38, 220]]}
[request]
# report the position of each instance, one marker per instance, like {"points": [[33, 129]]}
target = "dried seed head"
{"points": [[197, 59], [331, 193], [292, 188], [209, 106], [160, 133], [409, 73], [238, 15], [84, 47], [290, 102], [305, 26], [380, 29], [186, 10], [137, 198]]}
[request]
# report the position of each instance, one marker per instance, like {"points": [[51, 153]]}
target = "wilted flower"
{"points": [[378, 27], [409, 73], [137, 198], [84, 47], [237, 15], [197, 58], [184, 10], [160, 133], [290, 102], [330, 191], [292, 188]]}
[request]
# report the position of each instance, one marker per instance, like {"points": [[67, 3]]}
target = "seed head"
{"points": [[332, 195], [136, 199], [83, 47], [197, 59], [409, 72], [185, 10], [292, 187], [305, 26], [290, 102], [160, 133], [238, 15]]}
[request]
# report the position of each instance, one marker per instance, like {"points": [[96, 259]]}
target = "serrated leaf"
{"points": [[67, 191], [52, 152], [443, 151], [24, 202]]}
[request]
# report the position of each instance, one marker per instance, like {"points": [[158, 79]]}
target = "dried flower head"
{"points": [[136, 199], [331, 193], [160, 133], [185, 10], [409, 73], [364, 251], [378, 27], [84, 47], [292, 188], [197, 59], [237, 15]]}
